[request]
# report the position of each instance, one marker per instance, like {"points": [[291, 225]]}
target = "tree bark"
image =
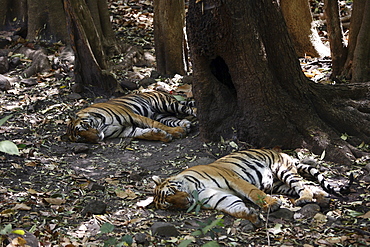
{"points": [[90, 63], [169, 21], [13, 14], [355, 25], [361, 58], [249, 84], [335, 33], [42, 22], [306, 40]]}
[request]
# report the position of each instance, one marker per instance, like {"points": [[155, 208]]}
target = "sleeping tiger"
{"points": [[149, 116], [247, 174]]}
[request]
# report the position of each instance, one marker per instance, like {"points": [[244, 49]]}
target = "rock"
{"points": [[367, 167], [14, 62], [18, 235], [4, 83], [155, 74], [282, 213], [146, 82], [128, 84], [80, 148], [164, 229], [95, 186], [74, 96], [309, 210], [94, 207], [77, 88], [4, 64], [29, 82], [141, 238]]}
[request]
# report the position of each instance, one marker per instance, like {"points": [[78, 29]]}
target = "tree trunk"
{"points": [[335, 33], [306, 40], [13, 14], [355, 25], [90, 63], [361, 59], [169, 19], [249, 84]]}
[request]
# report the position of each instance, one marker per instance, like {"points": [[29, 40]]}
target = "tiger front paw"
{"points": [[271, 204], [177, 132], [302, 201]]}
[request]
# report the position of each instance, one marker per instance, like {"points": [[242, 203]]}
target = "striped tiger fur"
{"points": [[247, 174], [149, 116]]}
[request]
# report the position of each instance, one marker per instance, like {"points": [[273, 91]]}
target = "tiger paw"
{"points": [[177, 132], [271, 204], [186, 124]]}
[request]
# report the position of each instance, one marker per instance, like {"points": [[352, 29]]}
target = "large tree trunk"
{"points": [[249, 85], [90, 62], [302, 30], [335, 33], [169, 20]]}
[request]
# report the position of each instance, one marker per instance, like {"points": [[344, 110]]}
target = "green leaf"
{"points": [[216, 222], [110, 241], [179, 97], [197, 233], [7, 229], [128, 239], [3, 120], [8, 147], [185, 243], [211, 244], [106, 228]]}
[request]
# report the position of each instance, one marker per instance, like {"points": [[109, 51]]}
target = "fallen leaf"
{"points": [[21, 206], [126, 194], [365, 216], [55, 201]]}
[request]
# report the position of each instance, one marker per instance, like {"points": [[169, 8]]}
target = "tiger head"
{"points": [[168, 194], [79, 130]]}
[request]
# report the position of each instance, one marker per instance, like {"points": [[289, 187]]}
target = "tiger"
{"points": [[148, 116], [251, 174]]}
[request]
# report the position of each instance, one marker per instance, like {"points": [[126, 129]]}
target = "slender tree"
{"points": [[302, 29], [169, 21], [249, 84]]}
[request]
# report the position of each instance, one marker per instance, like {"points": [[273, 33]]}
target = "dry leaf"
{"points": [[365, 216], [55, 201], [126, 194], [21, 206]]}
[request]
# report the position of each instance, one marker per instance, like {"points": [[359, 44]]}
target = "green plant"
{"points": [[197, 204], [211, 228], [8, 146], [113, 241]]}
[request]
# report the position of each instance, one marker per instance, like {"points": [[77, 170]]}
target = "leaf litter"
{"points": [[46, 188]]}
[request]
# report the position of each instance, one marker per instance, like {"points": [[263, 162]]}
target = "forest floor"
{"points": [[73, 194]]}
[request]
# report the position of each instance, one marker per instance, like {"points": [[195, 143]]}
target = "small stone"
{"points": [[94, 207], [4, 83], [14, 62], [4, 64], [282, 213], [74, 96], [29, 82], [141, 238], [146, 82], [95, 186], [309, 210], [367, 167], [77, 88], [80, 148], [164, 229]]}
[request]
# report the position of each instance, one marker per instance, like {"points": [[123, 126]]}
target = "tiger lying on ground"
{"points": [[149, 116], [242, 175]]}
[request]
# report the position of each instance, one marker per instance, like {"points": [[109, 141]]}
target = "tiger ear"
{"points": [[157, 180]]}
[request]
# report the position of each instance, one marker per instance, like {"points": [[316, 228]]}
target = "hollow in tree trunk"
{"points": [[249, 84]]}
